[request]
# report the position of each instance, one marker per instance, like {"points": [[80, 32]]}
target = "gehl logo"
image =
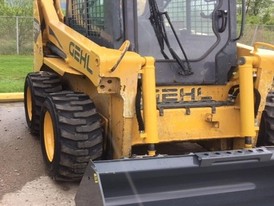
{"points": [[178, 94], [80, 56]]}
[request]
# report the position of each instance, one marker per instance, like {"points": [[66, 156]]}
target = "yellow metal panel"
{"points": [[120, 129], [201, 124], [38, 44], [186, 93], [59, 10], [60, 66], [243, 50]]}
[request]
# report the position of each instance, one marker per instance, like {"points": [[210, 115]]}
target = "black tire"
{"points": [[37, 86], [266, 132], [77, 134]]}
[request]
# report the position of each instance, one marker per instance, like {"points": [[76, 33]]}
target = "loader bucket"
{"points": [[238, 177]]}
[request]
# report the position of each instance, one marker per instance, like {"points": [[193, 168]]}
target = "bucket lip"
{"points": [[192, 160], [145, 164]]}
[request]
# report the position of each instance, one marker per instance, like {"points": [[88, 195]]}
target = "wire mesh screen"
{"points": [[8, 35], [177, 9], [88, 16], [201, 17], [177, 12], [258, 33], [194, 16], [16, 35], [79, 13]]}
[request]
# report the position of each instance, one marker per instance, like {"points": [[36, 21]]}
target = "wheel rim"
{"points": [[29, 104], [49, 136]]}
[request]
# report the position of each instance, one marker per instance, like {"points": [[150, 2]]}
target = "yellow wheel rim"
{"points": [[29, 104], [49, 136]]}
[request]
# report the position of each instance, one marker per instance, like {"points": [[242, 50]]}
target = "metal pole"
{"points": [[17, 36], [149, 102], [247, 100]]}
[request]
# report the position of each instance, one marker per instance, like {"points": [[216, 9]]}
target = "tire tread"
{"points": [[81, 137]]}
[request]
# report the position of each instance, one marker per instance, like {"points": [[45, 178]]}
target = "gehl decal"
{"points": [[178, 94], [80, 56]]}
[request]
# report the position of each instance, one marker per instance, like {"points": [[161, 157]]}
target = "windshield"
{"points": [[192, 21]]}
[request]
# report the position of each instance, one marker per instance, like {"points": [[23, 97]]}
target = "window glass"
{"points": [[192, 21], [88, 16], [96, 16]]}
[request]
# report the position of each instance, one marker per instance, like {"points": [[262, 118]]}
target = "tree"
{"points": [[258, 11], [255, 7], [268, 17], [16, 8]]}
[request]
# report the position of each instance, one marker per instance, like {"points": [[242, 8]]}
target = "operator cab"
{"points": [[193, 41], [202, 29]]}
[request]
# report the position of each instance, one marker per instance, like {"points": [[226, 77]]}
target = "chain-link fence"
{"points": [[256, 33], [16, 35]]}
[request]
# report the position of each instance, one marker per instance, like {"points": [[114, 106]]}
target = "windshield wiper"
{"points": [[158, 24]]}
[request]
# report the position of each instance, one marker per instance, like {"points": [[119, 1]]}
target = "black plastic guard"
{"points": [[241, 177]]}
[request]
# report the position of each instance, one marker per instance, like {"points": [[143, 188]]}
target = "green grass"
{"points": [[13, 70]]}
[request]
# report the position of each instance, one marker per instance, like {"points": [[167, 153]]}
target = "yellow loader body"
{"points": [[106, 102]]}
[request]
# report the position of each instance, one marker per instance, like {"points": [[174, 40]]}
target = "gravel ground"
{"points": [[23, 180]]}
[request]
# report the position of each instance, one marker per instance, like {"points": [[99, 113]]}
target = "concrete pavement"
{"points": [[23, 180]]}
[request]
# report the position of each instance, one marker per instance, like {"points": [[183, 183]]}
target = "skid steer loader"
{"points": [[152, 102]]}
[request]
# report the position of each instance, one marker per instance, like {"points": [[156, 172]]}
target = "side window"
{"points": [[88, 16], [194, 16], [96, 17], [78, 20], [99, 20], [201, 17], [192, 21]]}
